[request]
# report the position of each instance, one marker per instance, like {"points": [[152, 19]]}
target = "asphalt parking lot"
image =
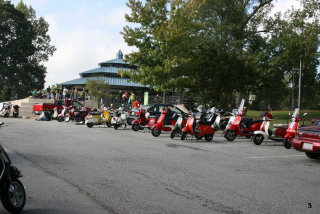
{"points": [[70, 168]]}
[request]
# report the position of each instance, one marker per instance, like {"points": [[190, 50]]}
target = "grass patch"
{"points": [[283, 116]]}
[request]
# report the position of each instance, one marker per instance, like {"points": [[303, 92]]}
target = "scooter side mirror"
{"points": [[305, 114]]}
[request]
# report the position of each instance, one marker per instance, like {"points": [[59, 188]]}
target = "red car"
{"points": [[308, 140]]}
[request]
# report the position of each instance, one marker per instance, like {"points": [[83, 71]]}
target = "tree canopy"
{"points": [[98, 89], [24, 46], [214, 50]]}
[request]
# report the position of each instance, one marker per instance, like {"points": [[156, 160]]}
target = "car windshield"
{"points": [[145, 107]]}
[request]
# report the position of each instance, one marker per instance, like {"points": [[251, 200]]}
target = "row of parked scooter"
{"points": [[184, 124]]}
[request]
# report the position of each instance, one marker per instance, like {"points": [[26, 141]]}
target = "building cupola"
{"points": [[119, 55]]}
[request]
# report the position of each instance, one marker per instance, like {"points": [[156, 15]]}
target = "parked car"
{"points": [[49, 107], [315, 122], [308, 140], [153, 110]]}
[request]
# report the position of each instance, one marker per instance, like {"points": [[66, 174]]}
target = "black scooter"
{"points": [[13, 195]]}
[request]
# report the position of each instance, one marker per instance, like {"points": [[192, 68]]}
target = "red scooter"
{"points": [[164, 123], [77, 115], [241, 126], [143, 121], [281, 132], [205, 127]]}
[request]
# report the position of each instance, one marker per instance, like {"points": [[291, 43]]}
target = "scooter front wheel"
{"points": [[287, 144], [183, 135], [208, 137], [258, 139], [230, 135], [173, 134], [156, 132], [13, 196], [198, 137], [135, 127], [90, 125]]}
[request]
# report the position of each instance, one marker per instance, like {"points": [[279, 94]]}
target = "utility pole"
{"points": [[299, 96], [292, 92]]}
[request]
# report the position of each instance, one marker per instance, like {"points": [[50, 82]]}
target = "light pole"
{"points": [[299, 96]]}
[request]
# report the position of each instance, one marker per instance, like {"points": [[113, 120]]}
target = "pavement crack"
{"points": [[172, 145], [208, 203]]}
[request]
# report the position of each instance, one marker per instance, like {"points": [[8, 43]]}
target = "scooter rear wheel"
{"points": [[258, 139], [13, 196], [230, 135]]}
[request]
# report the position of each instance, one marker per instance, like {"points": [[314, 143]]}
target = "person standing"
{"points": [[48, 92], [65, 93], [75, 94]]}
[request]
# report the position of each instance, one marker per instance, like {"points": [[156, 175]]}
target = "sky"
{"points": [[87, 32]]}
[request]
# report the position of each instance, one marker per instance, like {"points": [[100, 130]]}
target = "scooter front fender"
{"points": [[232, 127], [262, 133], [185, 129], [289, 136]]}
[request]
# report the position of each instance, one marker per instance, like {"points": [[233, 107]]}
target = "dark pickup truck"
{"points": [[39, 108], [308, 140]]}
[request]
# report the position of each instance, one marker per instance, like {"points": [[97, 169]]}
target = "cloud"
{"points": [[283, 5], [82, 47]]}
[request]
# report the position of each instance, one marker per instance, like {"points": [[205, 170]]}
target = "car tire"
{"points": [[313, 155]]}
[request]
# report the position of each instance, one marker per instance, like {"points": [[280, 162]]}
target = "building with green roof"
{"points": [[109, 72]]}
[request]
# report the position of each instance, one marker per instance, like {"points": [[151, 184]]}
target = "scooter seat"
{"points": [[280, 125], [205, 123], [252, 121]]}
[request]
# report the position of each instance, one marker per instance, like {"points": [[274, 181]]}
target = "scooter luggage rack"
{"points": [[279, 125]]}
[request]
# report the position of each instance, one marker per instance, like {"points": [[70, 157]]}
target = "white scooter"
{"points": [[119, 119]]}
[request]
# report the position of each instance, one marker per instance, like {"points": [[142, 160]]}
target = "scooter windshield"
{"points": [[295, 113], [212, 110], [241, 106]]}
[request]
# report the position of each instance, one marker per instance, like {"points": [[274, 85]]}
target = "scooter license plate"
{"points": [[307, 146]]}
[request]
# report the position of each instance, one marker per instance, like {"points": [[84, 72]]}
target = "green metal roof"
{"points": [[113, 70], [113, 81]]}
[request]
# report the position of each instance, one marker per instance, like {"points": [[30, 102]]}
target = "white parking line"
{"points": [[285, 156]]}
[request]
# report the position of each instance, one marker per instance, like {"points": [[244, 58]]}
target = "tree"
{"points": [[214, 50], [194, 46], [24, 46], [98, 89]]}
